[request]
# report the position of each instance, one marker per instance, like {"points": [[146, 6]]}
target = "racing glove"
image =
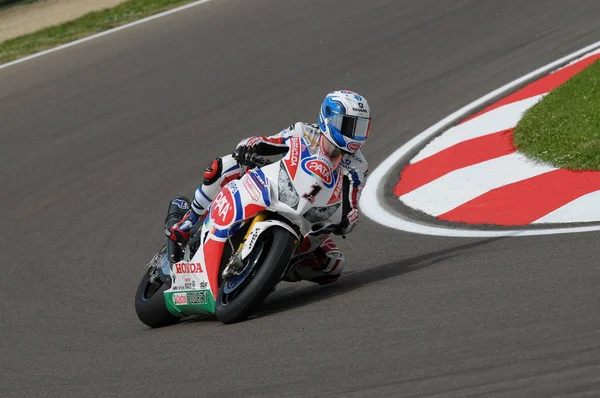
{"points": [[249, 156], [244, 154], [180, 232], [348, 223]]}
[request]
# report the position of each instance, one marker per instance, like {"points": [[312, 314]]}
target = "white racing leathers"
{"points": [[319, 259]]}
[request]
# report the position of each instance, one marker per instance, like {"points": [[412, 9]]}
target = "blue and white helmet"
{"points": [[345, 120]]}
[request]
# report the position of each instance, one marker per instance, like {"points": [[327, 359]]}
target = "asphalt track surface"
{"points": [[97, 138]]}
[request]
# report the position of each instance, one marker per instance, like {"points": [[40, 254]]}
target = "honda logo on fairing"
{"points": [[188, 268]]}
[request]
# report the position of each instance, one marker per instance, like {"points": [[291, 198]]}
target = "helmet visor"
{"points": [[356, 128]]}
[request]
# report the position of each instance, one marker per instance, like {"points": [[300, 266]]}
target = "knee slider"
{"points": [[213, 171], [334, 262]]}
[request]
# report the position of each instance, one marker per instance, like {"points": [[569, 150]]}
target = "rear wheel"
{"points": [[149, 299], [238, 297]]}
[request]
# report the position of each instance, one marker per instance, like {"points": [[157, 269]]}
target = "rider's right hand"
{"points": [[181, 231]]}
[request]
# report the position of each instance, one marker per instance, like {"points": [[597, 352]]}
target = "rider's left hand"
{"points": [[243, 154], [348, 223]]}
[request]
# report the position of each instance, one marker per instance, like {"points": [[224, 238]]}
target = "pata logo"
{"points": [[353, 146], [320, 169], [222, 208]]}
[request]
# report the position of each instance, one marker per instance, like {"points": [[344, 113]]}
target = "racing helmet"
{"points": [[345, 120]]}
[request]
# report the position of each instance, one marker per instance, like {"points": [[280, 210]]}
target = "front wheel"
{"points": [[272, 253], [150, 304]]}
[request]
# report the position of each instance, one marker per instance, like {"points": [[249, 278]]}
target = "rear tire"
{"points": [[150, 304], [269, 273]]}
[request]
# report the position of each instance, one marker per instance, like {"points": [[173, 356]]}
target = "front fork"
{"points": [[236, 265]]}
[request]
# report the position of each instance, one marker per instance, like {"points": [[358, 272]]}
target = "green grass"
{"points": [[86, 25], [564, 128], [11, 3]]}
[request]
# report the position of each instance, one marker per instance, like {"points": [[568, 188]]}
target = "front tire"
{"points": [[269, 273], [150, 304]]}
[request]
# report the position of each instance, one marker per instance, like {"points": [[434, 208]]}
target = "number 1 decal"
{"points": [[310, 196]]}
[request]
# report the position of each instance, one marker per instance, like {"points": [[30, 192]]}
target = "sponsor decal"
{"points": [[320, 167], [253, 238], [197, 298], [203, 285], [223, 208], [337, 192], [180, 299], [251, 189], [260, 183], [354, 146], [352, 216], [260, 180], [188, 268], [233, 187], [291, 162], [360, 110], [182, 204]]}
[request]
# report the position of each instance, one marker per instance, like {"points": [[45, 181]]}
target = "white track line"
{"points": [[460, 186], [582, 209], [371, 201], [496, 120], [106, 32]]}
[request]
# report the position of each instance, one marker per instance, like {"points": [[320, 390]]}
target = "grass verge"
{"points": [[10, 3], [563, 129], [86, 25]]}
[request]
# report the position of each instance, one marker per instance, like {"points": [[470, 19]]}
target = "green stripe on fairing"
{"points": [[189, 309]]}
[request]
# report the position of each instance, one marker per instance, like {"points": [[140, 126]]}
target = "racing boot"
{"points": [[323, 266], [177, 224]]}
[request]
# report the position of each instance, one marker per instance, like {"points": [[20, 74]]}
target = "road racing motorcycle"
{"points": [[257, 228]]}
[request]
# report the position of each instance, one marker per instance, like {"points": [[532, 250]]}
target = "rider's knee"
{"points": [[334, 262]]}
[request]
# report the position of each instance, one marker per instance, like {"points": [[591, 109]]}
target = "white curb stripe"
{"points": [[582, 209], [106, 32], [577, 60], [371, 201], [494, 121], [462, 185]]}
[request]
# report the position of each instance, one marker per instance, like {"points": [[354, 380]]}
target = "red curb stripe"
{"points": [[541, 86], [525, 201], [466, 153]]}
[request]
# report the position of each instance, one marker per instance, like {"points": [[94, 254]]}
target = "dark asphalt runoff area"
{"points": [[95, 140]]}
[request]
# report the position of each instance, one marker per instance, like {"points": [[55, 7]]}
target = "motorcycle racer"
{"points": [[343, 127]]}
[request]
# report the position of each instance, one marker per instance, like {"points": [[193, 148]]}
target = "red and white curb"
{"points": [[472, 174]]}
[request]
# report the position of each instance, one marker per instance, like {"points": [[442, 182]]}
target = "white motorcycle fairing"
{"points": [[304, 188]]}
